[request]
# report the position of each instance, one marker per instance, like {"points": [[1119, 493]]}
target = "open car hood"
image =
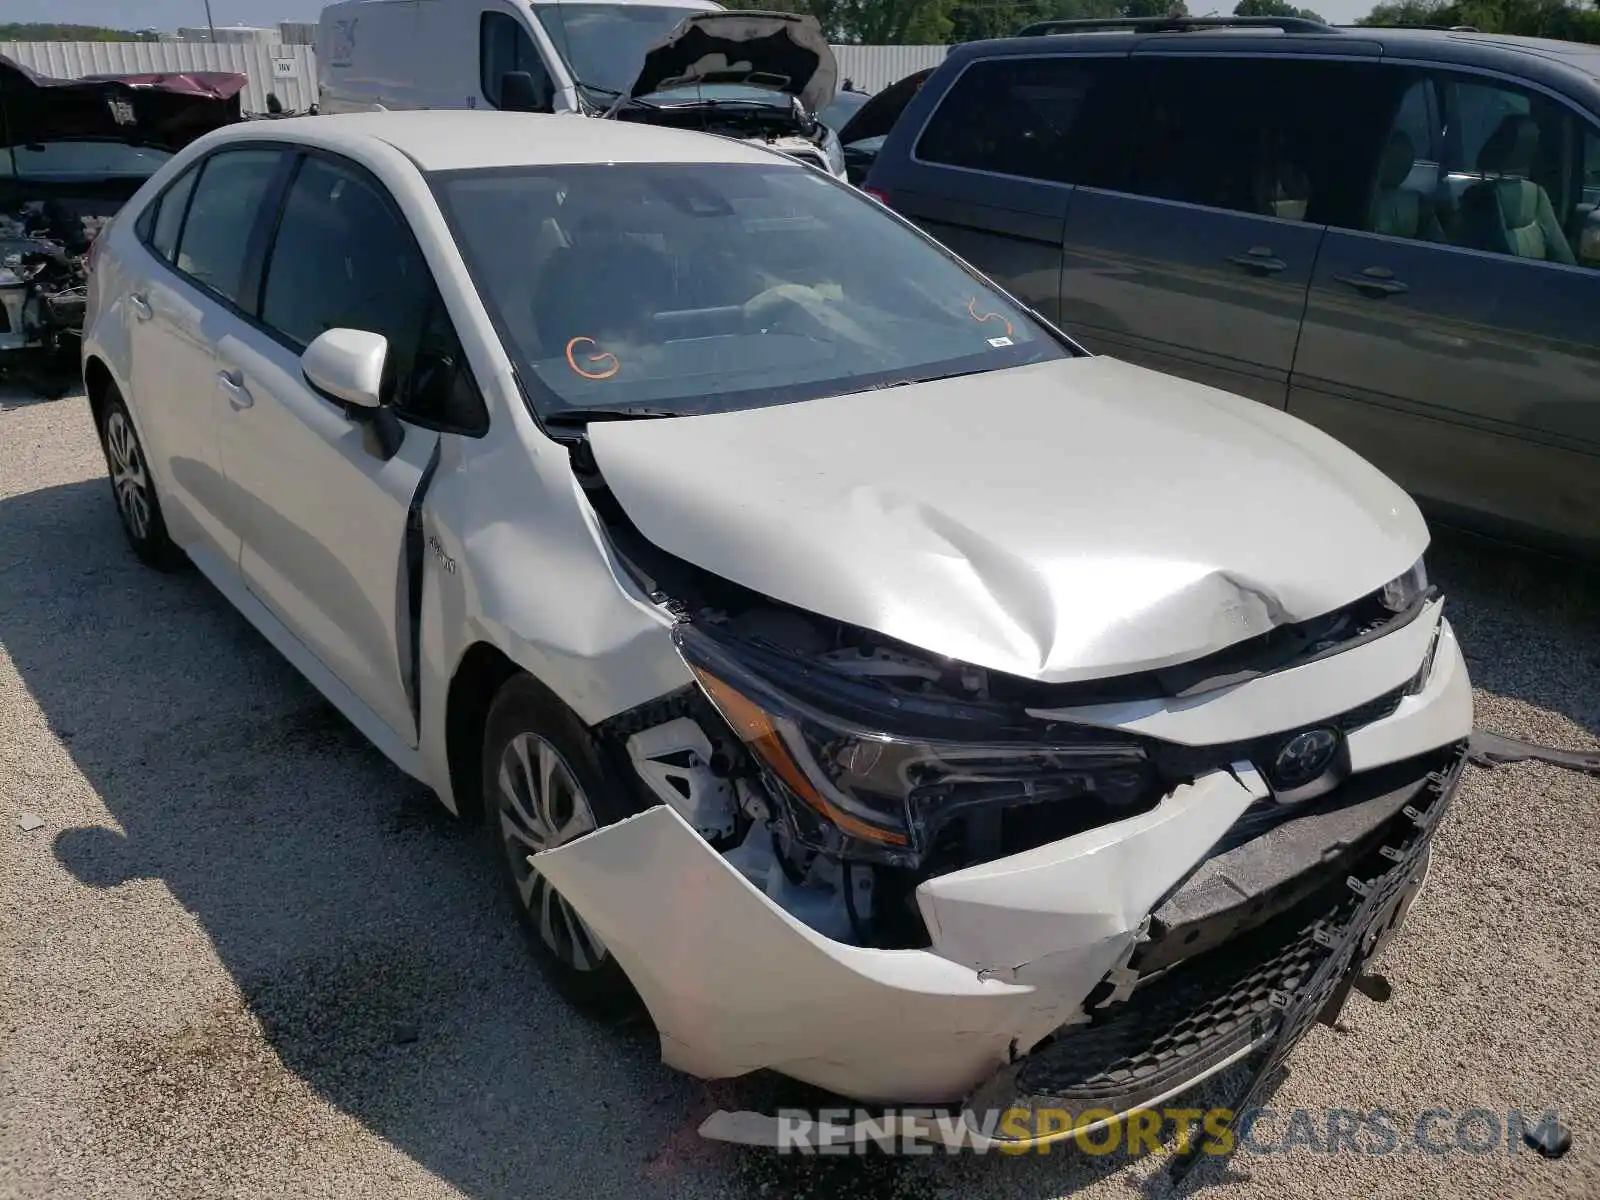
{"points": [[164, 111], [1061, 522], [784, 52]]}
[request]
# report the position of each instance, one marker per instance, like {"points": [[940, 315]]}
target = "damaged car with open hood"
{"points": [[848, 667], [760, 77], [74, 151]]}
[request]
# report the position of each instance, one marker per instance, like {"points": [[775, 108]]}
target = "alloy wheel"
{"points": [[128, 476], [542, 806]]}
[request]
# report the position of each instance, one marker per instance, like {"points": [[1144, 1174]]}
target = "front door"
{"points": [[1452, 337], [326, 544]]}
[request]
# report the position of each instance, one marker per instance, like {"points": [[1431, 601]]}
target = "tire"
{"points": [[529, 736], [133, 491]]}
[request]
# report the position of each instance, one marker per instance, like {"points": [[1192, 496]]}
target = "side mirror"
{"points": [[521, 92], [346, 366]]}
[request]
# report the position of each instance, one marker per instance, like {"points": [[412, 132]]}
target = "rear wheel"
{"points": [[133, 490], [544, 786]]}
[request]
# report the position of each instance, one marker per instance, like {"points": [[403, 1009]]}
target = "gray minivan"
{"points": [[1392, 233]]}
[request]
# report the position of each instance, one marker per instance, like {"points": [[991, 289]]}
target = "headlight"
{"points": [[1403, 591], [870, 795]]}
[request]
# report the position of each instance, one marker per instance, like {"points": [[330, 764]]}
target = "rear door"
{"points": [[201, 236], [1192, 237], [989, 175], [1453, 333]]}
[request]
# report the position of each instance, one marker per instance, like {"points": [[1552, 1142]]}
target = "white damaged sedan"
{"points": [[849, 667]]}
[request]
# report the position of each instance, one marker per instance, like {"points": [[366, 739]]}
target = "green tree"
{"points": [[1273, 8], [1568, 20], [33, 31]]}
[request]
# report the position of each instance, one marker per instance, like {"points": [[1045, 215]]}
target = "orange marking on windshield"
{"points": [[593, 359], [980, 318]]}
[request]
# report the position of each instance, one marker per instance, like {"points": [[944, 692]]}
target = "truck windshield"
{"points": [[699, 287], [604, 44]]}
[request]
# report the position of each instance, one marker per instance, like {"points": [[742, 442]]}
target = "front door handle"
{"points": [[1261, 260], [141, 307], [1374, 281], [232, 384]]}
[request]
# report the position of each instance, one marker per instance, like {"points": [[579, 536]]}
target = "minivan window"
{"points": [[604, 44], [221, 214], [703, 287], [1513, 176], [1013, 116], [344, 259], [1292, 139], [505, 46]]}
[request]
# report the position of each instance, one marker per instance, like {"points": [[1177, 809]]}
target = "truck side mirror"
{"points": [[521, 92]]}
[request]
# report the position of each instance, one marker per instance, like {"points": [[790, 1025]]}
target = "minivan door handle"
{"points": [[1374, 281], [1260, 259], [141, 307]]}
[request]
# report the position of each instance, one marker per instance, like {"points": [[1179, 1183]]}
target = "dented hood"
{"points": [[1063, 521], [782, 52]]}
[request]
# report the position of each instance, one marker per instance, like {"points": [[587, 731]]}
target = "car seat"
{"points": [[606, 285], [1397, 210], [1509, 213]]}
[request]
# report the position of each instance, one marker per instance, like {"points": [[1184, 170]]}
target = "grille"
{"points": [[1180, 1024]]}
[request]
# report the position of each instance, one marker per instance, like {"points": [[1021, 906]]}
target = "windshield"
{"points": [[81, 160], [702, 287], [604, 44]]}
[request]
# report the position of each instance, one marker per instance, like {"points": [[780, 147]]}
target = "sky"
{"points": [[169, 14]]}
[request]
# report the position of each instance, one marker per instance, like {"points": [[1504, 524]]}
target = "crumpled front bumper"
{"points": [[736, 984]]}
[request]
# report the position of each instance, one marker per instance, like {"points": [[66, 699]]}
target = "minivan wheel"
{"points": [[544, 786], [133, 491]]}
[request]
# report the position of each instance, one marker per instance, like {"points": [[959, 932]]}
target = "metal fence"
{"points": [[291, 71]]}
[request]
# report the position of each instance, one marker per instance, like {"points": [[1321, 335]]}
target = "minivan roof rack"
{"points": [[1172, 25]]}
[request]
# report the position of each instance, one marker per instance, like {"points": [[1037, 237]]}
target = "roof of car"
{"points": [[454, 140], [1441, 45]]}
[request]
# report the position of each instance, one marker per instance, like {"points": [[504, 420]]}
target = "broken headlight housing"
{"points": [[1404, 591], [855, 791]]}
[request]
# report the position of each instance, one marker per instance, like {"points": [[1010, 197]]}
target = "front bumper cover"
{"points": [[1023, 948]]}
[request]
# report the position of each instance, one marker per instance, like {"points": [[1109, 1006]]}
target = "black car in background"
{"points": [[1392, 233]]}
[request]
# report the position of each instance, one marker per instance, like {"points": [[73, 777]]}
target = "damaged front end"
{"points": [[907, 879], [75, 151], [758, 77]]}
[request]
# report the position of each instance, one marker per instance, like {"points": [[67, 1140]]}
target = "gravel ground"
{"points": [[248, 958]]}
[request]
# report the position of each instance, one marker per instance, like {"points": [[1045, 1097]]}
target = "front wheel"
{"points": [[544, 786]]}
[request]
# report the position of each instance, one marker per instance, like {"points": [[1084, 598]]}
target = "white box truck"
{"points": [[757, 76]]}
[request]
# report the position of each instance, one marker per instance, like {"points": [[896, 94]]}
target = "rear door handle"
{"points": [[1260, 259], [1374, 281], [232, 384], [141, 307]]}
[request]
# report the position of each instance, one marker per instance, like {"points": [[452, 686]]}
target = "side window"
{"points": [[222, 212], [343, 258], [1513, 176], [1013, 117], [1261, 136], [1587, 220], [170, 208], [1406, 180], [505, 45]]}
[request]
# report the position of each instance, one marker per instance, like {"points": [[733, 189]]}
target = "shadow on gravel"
{"points": [[1529, 624], [377, 963]]}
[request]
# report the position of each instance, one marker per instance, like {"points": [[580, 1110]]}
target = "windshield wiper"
{"points": [[583, 416]]}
